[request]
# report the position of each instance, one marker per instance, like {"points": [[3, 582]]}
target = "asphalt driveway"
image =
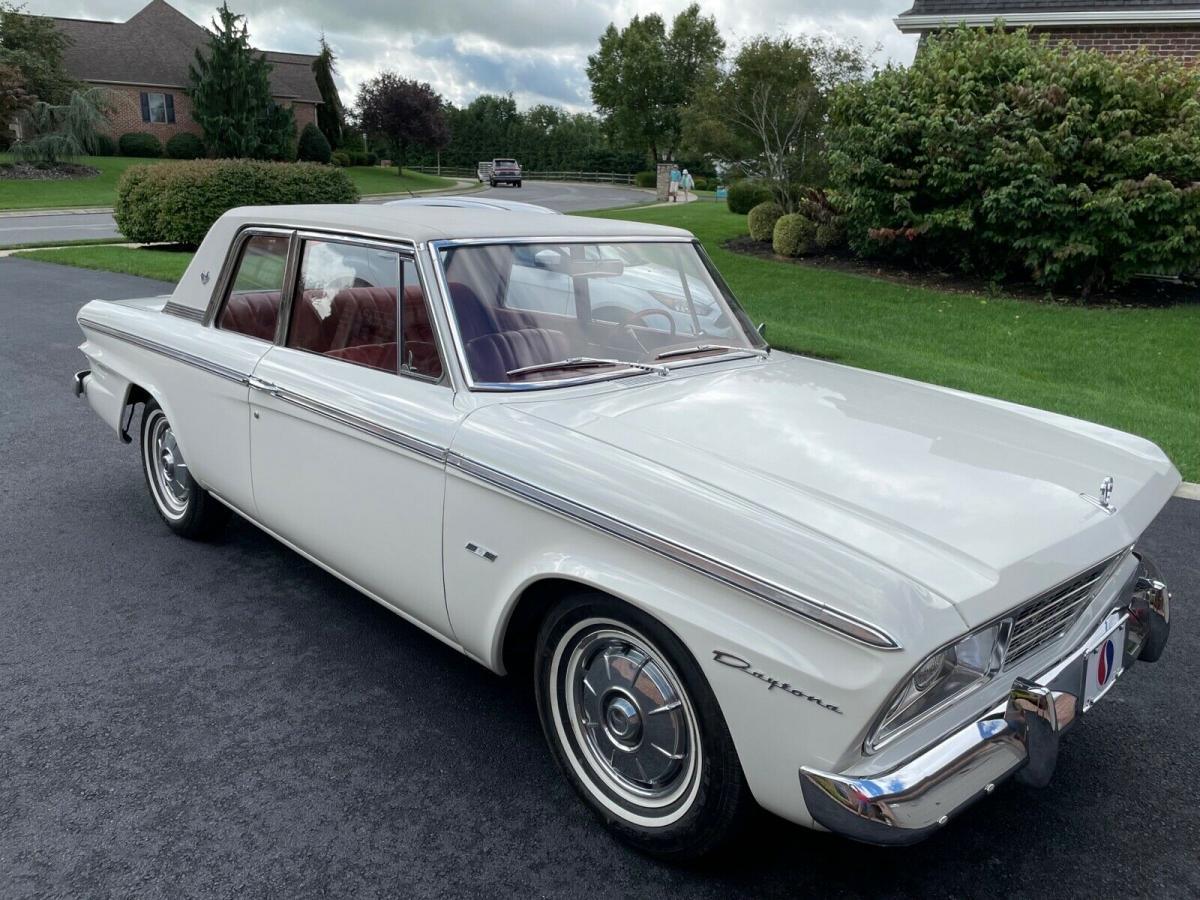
{"points": [[181, 719]]}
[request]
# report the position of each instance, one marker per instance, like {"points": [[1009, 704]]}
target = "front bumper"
{"points": [[1018, 737]]}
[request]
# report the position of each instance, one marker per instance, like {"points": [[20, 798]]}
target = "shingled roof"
{"points": [[929, 14], [155, 48]]}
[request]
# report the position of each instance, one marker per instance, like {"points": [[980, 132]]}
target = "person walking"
{"points": [[687, 183], [673, 185]]}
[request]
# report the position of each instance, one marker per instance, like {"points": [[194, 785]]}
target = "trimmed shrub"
{"points": [[372, 159], [185, 145], [177, 204], [1005, 156], [340, 158], [794, 235], [745, 195], [104, 145], [140, 143], [829, 236], [313, 146], [761, 220], [646, 179]]}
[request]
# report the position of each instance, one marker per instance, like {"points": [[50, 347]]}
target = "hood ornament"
{"points": [[1106, 489]]}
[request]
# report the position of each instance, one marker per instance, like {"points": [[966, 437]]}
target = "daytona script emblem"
{"points": [[736, 662]]}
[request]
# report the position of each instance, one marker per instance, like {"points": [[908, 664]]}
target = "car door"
{"points": [[350, 419]]}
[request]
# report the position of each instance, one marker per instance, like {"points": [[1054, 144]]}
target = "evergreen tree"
{"points": [[331, 116], [231, 96]]}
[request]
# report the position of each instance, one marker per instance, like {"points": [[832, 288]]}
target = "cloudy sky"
{"points": [[534, 49]]}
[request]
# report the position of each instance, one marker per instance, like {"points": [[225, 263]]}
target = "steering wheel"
{"points": [[639, 317]]}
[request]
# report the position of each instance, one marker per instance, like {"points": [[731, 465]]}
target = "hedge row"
{"points": [[178, 203]]}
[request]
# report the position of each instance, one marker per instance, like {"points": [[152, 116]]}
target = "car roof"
{"points": [[485, 203], [434, 223]]}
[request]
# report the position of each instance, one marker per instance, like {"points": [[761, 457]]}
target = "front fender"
{"points": [[792, 693]]}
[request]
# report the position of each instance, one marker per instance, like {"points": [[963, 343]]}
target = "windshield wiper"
{"points": [[582, 362], [702, 348]]}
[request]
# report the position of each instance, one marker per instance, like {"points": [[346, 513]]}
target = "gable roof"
{"points": [[926, 15], [156, 47]]}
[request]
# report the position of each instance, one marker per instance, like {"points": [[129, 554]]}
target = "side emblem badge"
{"points": [[481, 552], [204, 278]]}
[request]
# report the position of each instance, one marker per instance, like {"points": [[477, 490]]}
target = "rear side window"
{"points": [[348, 306], [251, 306]]}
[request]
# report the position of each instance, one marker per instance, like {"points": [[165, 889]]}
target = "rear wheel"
{"points": [[635, 728], [187, 508]]}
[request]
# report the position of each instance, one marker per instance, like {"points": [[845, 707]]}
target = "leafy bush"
{"points": [[140, 143], [340, 158], [794, 235], [829, 237], [313, 146], [185, 145], [1005, 156], [745, 195], [372, 159], [761, 220], [646, 179], [104, 145], [178, 203]]}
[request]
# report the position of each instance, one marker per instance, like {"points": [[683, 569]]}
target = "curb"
{"points": [[61, 211], [1188, 491]]}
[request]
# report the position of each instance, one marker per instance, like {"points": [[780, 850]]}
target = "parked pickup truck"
{"points": [[505, 171]]}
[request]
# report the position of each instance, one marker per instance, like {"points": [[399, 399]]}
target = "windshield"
{"points": [[530, 313]]}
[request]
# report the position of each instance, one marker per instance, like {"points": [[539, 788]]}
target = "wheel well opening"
{"points": [[137, 394], [534, 604]]}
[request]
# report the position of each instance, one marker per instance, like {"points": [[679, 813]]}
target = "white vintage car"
{"points": [[735, 576]]}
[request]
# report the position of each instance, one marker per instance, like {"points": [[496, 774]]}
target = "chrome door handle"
{"points": [[265, 386]]}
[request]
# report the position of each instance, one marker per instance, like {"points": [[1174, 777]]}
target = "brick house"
{"points": [[144, 62], [1167, 27]]}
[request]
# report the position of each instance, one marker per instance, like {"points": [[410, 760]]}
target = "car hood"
{"points": [[789, 464]]}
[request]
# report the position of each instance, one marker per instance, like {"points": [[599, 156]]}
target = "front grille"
{"points": [[1047, 617]]}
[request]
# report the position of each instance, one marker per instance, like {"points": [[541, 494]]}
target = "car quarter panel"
{"points": [[198, 375]]}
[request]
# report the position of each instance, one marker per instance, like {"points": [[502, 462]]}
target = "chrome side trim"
{"points": [[812, 610], [383, 433], [184, 312], [168, 351]]}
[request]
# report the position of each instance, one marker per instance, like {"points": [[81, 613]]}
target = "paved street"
{"points": [[18, 229], [183, 719]]}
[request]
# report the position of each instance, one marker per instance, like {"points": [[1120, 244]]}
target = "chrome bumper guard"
{"points": [[81, 382], [1019, 736]]}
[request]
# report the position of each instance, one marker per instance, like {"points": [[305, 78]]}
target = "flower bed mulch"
{"points": [[60, 172], [1141, 292]]}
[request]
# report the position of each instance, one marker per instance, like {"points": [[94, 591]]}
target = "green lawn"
{"points": [[100, 190], [376, 180], [156, 262], [1133, 369]]}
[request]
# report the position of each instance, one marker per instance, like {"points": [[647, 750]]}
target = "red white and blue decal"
{"points": [[1104, 669]]}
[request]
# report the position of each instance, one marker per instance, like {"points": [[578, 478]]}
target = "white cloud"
{"points": [[535, 49]]}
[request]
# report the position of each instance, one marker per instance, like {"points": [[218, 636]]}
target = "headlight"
{"points": [[941, 677]]}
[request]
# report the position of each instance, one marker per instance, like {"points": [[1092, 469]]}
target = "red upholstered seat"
{"points": [[491, 356], [253, 313]]}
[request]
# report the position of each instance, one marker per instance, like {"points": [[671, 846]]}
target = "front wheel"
{"points": [[635, 728], [518, 184], [187, 508]]}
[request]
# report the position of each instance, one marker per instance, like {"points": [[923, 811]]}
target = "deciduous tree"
{"points": [[643, 75], [406, 112], [34, 46]]}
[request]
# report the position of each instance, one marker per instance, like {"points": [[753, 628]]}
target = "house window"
{"points": [[158, 107]]}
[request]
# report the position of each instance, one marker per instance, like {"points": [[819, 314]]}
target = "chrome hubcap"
{"points": [[169, 473], [634, 725]]}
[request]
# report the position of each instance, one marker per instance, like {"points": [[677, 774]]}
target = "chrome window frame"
{"points": [[435, 252], [220, 293]]}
